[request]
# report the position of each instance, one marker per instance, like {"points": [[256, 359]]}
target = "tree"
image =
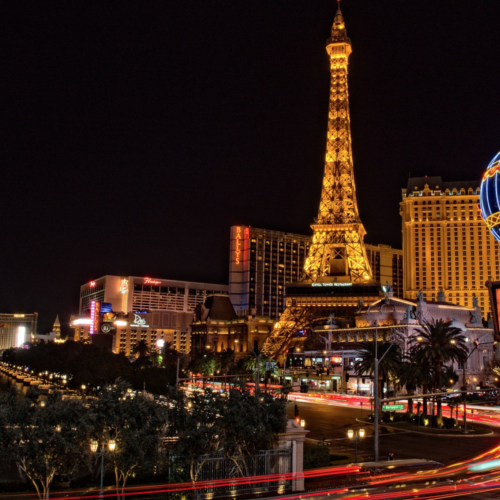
{"points": [[137, 424], [236, 425], [142, 349], [440, 342], [168, 354], [43, 441], [409, 376], [389, 366]]}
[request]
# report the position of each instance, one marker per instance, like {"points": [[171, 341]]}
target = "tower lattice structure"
{"points": [[337, 248], [337, 253]]}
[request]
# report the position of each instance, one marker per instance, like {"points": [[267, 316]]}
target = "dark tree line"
{"points": [[54, 438]]}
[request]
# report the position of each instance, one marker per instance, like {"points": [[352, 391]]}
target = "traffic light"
{"points": [[346, 377], [296, 409]]}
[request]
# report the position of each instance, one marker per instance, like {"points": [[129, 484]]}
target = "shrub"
{"points": [[316, 456]]}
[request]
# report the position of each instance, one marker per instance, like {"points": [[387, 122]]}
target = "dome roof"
{"points": [[489, 199]]}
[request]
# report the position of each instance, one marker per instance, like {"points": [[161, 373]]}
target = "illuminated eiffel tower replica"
{"points": [[337, 278]]}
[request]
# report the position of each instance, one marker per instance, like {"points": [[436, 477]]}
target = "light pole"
{"points": [[376, 395], [356, 437], [476, 345], [179, 357], [94, 446]]}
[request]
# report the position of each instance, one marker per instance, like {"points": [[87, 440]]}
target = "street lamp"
{"points": [[476, 345], [94, 446], [376, 396], [356, 437]]}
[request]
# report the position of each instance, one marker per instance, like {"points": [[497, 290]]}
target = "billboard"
{"points": [[494, 289], [95, 316]]}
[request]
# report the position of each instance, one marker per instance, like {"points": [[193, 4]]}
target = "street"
{"points": [[332, 423]]}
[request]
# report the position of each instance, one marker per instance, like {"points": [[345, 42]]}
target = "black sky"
{"points": [[137, 132]]}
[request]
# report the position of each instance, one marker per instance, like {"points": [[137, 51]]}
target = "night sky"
{"points": [[135, 133]]}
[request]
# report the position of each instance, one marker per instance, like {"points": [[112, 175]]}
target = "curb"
{"points": [[491, 433]]}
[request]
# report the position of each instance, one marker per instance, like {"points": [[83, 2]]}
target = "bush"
{"points": [[316, 456]]}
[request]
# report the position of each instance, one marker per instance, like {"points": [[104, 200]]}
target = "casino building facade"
{"points": [[446, 244], [263, 262], [127, 309], [17, 329]]}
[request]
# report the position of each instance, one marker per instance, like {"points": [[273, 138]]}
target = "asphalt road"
{"points": [[332, 423]]}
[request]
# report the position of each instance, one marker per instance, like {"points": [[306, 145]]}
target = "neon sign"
{"points": [[124, 285], [238, 244], [92, 284], [239, 237], [331, 284], [95, 308], [138, 321], [151, 281]]}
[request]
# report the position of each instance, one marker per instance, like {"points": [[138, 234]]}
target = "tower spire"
{"points": [[337, 251]]}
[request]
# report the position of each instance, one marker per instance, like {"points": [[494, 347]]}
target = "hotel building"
{"points": [[141, 308], [446, 244], [396, 320], [17, 329], [262, 262]]}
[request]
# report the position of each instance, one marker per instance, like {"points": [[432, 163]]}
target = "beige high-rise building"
{"points": [[446, 244]]}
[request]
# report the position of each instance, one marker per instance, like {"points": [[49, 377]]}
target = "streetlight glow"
{"points": [[94, 445]]}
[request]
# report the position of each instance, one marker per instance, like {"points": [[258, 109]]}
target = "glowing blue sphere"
{"points": [[489, 199]]}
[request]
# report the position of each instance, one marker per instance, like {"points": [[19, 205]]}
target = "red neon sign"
{"points": [[92, 284], [151, 281], [238, 244]]}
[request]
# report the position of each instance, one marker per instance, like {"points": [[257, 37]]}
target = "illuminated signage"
{"points": [[124, 285], [138, 321], [238, 250], [21, 336], [151, 281], [494, 292], [82, 321], [18, 315], [336, 359], [92, 284], [107, 328], [331, 284], [95, 309]]}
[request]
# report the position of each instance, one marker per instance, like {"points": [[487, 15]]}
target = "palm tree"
{"points": [[141, 348], [169, 353], [440, 342], [424, 375], [390, 364], [226, 361], [409, 376]]}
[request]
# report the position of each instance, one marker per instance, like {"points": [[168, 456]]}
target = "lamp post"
{"points": [[356, 437], [376, 395], [94, 446], [179, 357], [476, 345]]}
